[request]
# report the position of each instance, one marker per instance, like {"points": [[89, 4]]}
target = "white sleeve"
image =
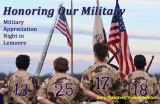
{"points": [[40, 97]]}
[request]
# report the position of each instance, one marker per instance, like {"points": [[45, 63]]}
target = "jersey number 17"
{"points": [[104, 79]]}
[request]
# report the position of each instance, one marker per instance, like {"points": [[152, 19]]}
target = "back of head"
{"points": [[101, 51], [22, 61], [139, 61], [61, 65]]}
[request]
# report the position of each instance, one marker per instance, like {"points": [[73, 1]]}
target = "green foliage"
{"points": [[78, 76], [157, 75], [5, 99], [2, 76], [47, 75]]}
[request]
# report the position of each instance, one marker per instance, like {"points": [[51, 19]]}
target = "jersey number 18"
{"points": [[142, 87]]}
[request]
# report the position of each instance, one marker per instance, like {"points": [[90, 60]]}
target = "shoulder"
{"points": [[129, 76], [153, 78], [48, 79], [29, 74], [99, 68], [22, 74], [45, 83], [138, 74], [72, 78], [90, 68], [75, 80], [33, 79], [112, 70], [11, 77]]}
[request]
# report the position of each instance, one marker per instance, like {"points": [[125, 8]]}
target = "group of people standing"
{"points": [[99, 82]]}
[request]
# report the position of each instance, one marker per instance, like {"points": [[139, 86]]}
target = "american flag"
{"points": [[63, 27], [118, 39]]}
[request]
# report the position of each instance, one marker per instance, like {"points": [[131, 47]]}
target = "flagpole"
{"points": [[104, 31], [98, 4], [72, 38]]}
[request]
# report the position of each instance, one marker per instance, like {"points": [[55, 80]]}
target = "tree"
{"points": [[47, 75], [2, 76]]}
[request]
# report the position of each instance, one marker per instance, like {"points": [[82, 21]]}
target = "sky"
{"points": [[141, 19]]}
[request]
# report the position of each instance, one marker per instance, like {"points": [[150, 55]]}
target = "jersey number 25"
{"points": [[67, 90]]}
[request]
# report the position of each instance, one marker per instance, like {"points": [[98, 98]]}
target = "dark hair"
{"points": [[22, 61], [101, 51], [61, 64], [139, 61]]}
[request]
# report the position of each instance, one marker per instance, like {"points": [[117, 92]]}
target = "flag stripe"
{"points": [[67, 29], [62, 22], [114, 35], [114, 24], [114, 38], [62, 26], [128, 60], [123, 46], [114, 31], [64, 31], [114, 28], [61, 30], [68, 39]]}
